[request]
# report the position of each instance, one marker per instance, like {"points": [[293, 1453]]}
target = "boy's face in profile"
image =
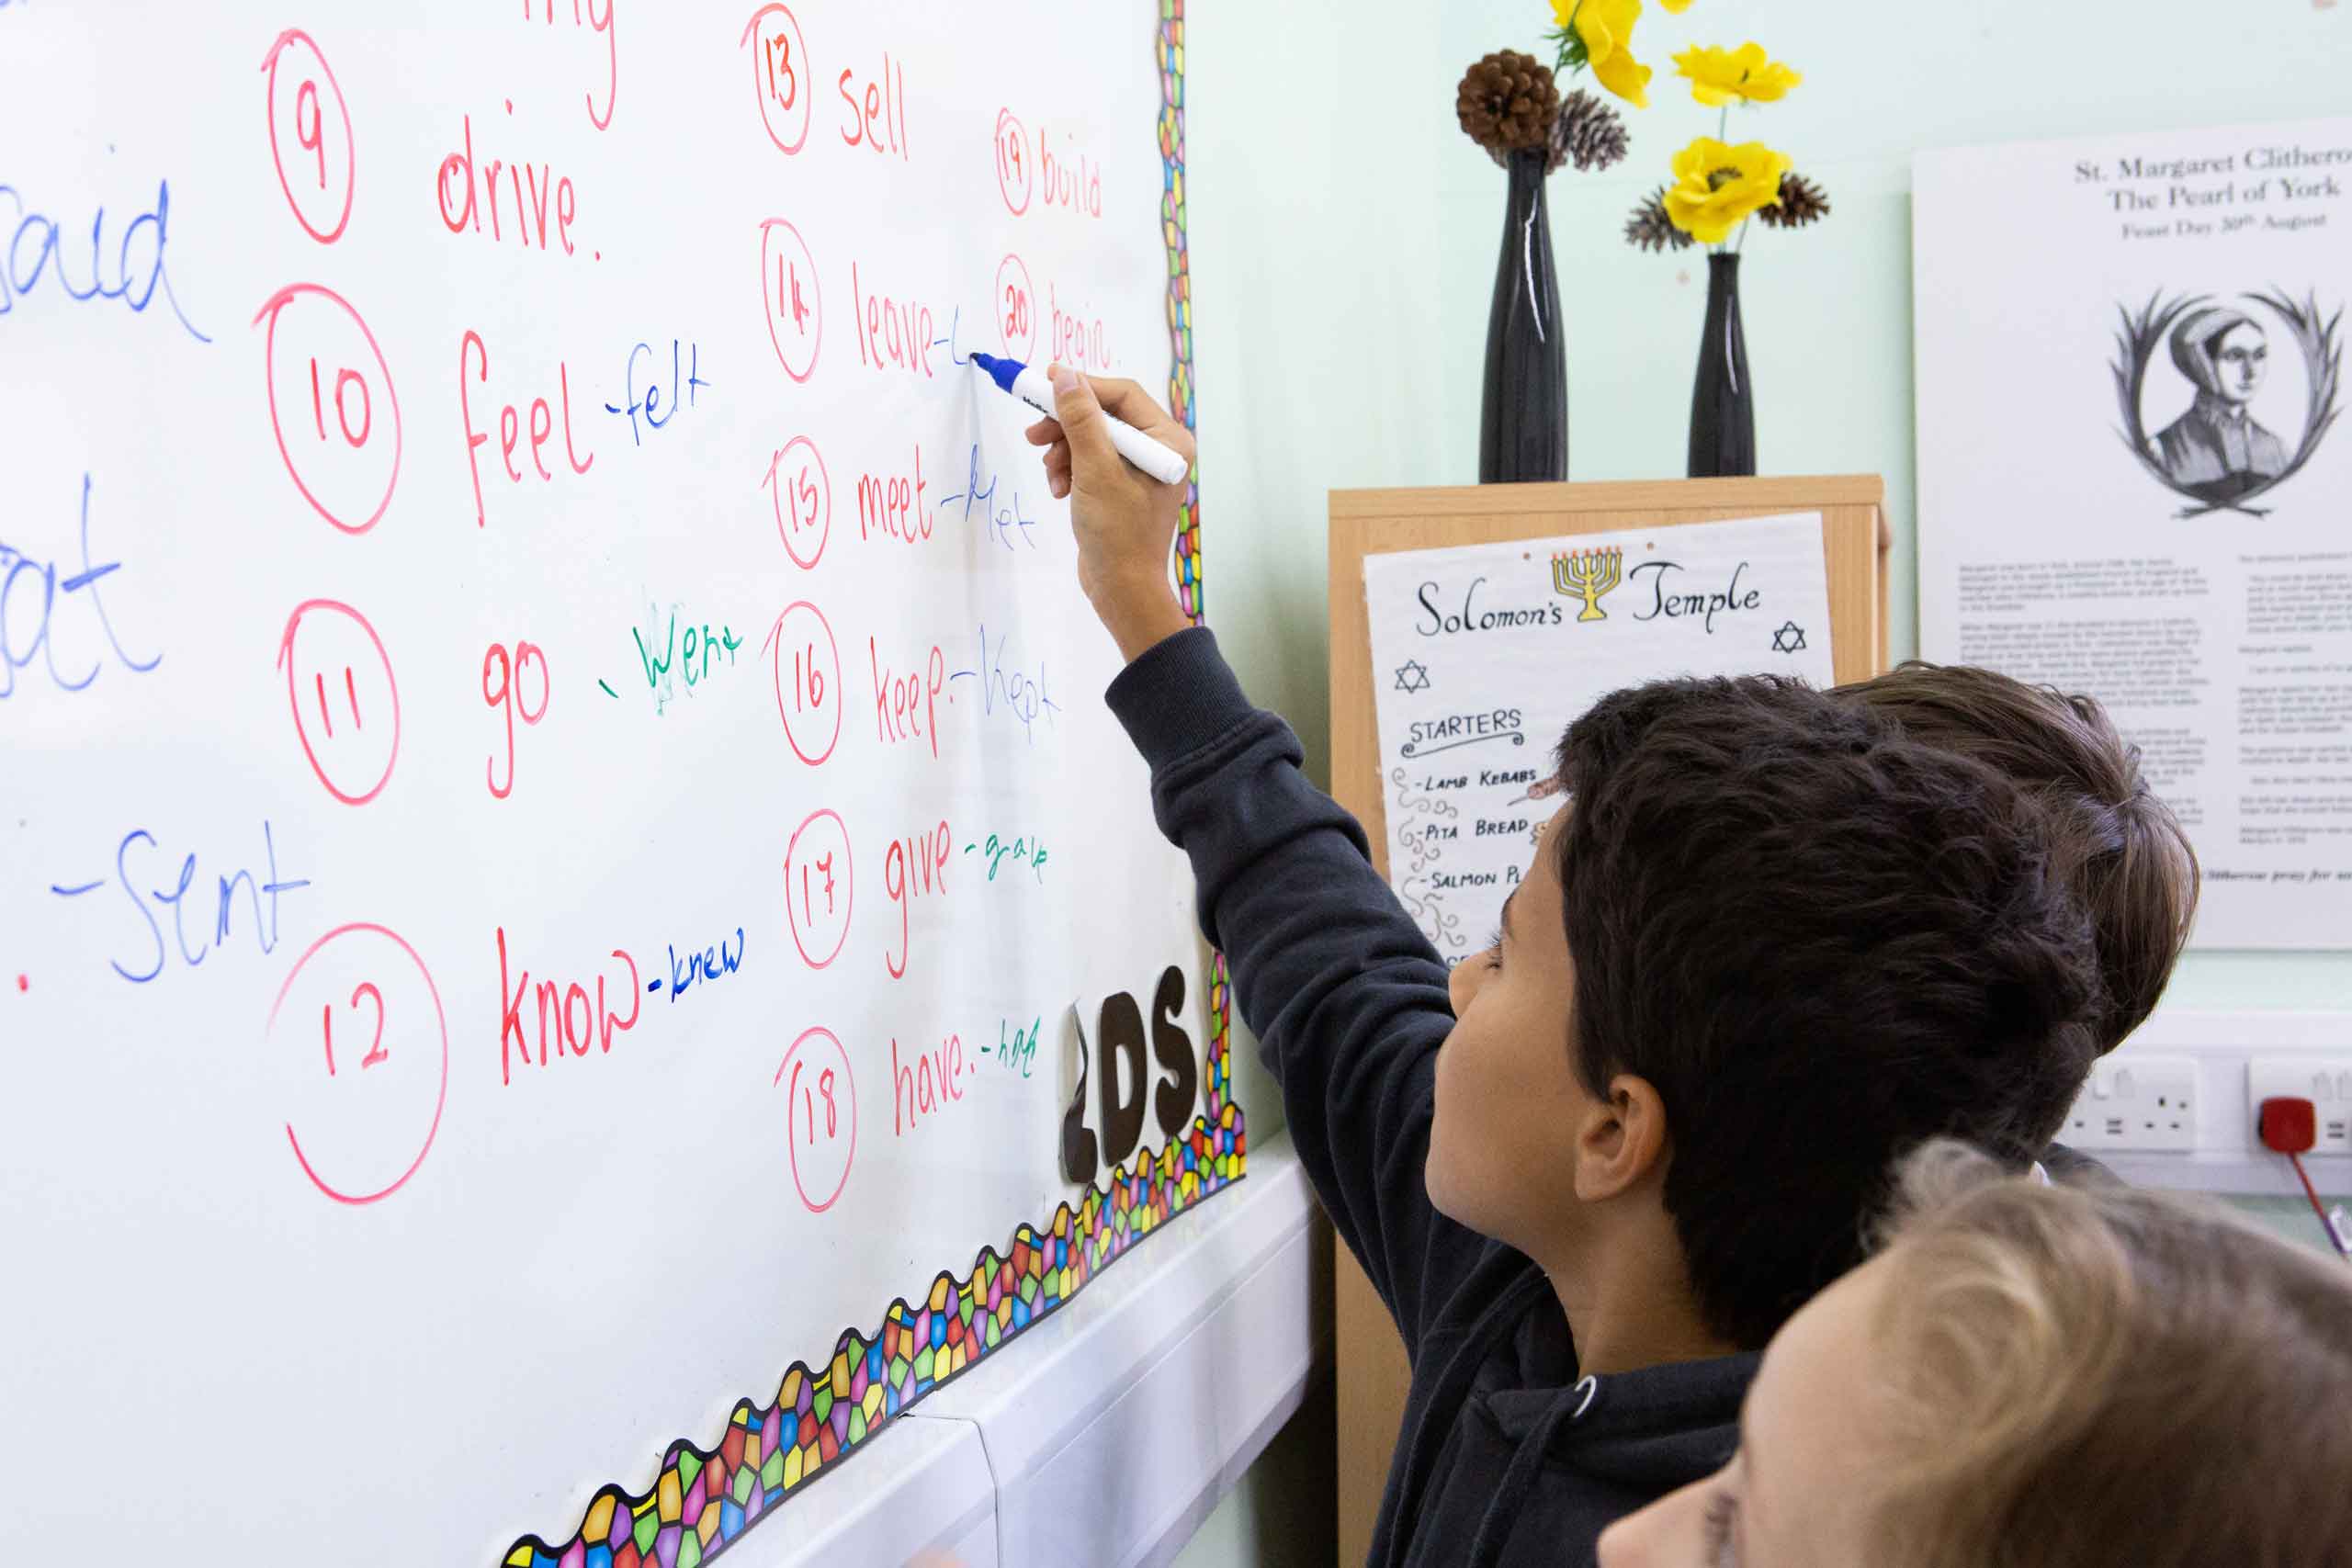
{"points": [[1502, 1145]]}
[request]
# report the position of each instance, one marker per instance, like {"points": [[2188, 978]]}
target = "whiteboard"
{"points": [[557, 801]]}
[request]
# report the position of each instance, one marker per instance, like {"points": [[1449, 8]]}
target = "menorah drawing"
{"points": [[1587, 575]]}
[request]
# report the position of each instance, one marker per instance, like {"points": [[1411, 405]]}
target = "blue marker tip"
{"points": [[1002, 371]]}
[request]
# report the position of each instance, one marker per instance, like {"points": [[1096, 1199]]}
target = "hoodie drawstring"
{"points": [[1449, 1392], [1502, 1509]]}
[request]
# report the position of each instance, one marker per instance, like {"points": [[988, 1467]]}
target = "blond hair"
{"points": [[2093, 1375]]}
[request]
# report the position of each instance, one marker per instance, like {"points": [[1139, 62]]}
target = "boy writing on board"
{"points": [[1769, 943]]}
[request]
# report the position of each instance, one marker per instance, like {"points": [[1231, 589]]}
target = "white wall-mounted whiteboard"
{"points": [[554, 794]]}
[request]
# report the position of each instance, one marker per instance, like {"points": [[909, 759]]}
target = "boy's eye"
{"points": [[1493, 957]]}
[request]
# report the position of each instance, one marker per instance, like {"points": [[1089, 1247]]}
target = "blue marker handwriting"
{"points": [[999, 519], [35, 240], [29, 592], [652, 402], [1011, 691], [710, 964], [140, 845]]}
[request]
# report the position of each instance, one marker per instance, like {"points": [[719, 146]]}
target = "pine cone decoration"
{"points": [[1586, 133], [1650, 229], [1506, 102], [1802, 202]]}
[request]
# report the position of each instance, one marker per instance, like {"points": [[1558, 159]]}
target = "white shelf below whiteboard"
{"points": [[1111, 1430]]}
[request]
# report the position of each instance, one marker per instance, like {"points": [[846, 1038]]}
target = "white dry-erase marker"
{"points": [[1032, 386]]}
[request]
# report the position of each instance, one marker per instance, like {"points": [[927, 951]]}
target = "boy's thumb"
{"points": [[1081, 416]]}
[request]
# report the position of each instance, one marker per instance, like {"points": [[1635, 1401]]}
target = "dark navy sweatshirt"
{"points": [[1507, 1455]]}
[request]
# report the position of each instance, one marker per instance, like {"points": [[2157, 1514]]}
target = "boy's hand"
{"points": [[1125, 519]]}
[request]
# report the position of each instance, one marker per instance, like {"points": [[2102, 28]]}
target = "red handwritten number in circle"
{"points": [[1016, 308], [819, 1118], [346, 705], [808, 681], [1012, 163], [366, 991], [779, 75], [793, 304], [342, 450], [802, 494], [820, 887], [326, 164]]}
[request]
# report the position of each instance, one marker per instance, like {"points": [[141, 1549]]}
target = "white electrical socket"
{"points": [[2325, 1081], [2136, 1102]]}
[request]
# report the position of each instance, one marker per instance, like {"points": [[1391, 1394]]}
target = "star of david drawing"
{"points": [[1413, 677], [1789, 638]]}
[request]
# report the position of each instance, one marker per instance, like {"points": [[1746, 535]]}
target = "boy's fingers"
{"points": [[1045, 433], [1127, 400], [1081, 420]]}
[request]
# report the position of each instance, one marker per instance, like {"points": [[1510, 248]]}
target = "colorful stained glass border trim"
{"points": [[702, 1500]]}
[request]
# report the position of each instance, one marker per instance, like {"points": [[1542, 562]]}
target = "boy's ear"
{"points": [[1622, 1140]]}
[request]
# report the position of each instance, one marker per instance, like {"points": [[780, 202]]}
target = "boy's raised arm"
{"points": [[1347, 997]]}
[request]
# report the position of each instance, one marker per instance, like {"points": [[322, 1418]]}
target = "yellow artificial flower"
{"points": [[1606, 30], [1720, 76], [1716, 187]]}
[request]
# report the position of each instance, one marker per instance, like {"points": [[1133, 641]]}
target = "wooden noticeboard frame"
{"points": [[1371, 1358]]}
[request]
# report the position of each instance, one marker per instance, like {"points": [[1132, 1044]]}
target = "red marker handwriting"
{"points": [[587, 17], [802, 495], [570, 1021], [347, 456], [808, 681], [906, 707], [1012, 174], [819, 1117], [820, 887], [1016, 309], [779, 75], [503, 674], [510, 425], [794, 305], [913, 867], [540, 204], [357, 1127], [324, 169], [335, 665], [876, 116]]}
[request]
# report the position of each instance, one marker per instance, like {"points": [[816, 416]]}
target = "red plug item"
{"points": [[2288, 1125]]}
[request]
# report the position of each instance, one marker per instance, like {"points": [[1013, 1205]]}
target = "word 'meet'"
{"points": [[147, 966], [41, 589], [34, 241], [568, 1017]]}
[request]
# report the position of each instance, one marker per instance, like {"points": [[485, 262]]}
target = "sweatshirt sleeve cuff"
{"points": [[1179, 696]]}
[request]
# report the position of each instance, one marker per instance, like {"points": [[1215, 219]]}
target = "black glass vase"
{"points": [[1722, 408], [1523, 416]]}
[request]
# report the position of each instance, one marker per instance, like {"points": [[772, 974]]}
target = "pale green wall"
{"points": [[1344, 234]]}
